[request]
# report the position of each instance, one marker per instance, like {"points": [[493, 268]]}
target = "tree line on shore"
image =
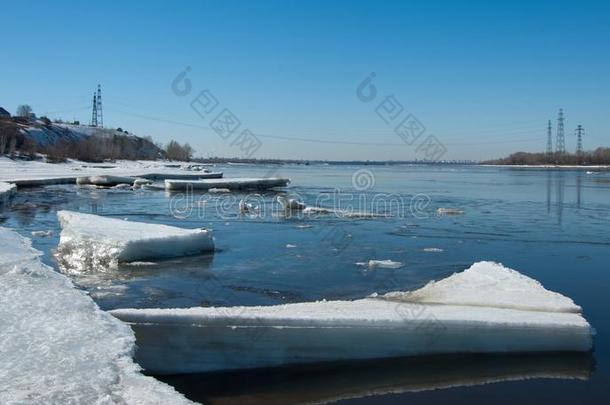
{"points": [[599, 156]]}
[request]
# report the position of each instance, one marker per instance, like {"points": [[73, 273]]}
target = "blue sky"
{"points": [[482, 77]]}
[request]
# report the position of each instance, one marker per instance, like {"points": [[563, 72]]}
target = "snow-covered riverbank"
{"points": [[23, 172], [57, 346]]}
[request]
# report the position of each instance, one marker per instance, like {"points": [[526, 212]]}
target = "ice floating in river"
{"points": [[290, 204], [485, 309], [432, 249], [232, 184], [42, 234], [104, 181], [341, 213], [384, 264], [246, 208], [140, 183], [218, 190], [449, 211], [94, 243], [6, 191], [57, 346]]}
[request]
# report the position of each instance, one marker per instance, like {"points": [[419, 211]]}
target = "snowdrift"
{"points": [[229, 183], [94, 243], [428, 321], [57, 345]]}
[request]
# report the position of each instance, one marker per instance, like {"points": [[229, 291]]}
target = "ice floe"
{"points": [[290, 204], [214, 190], [229, 183], [449, 211], [309, 210], [6, 192], [485, 309], [383, 264], [57, 345], [247, 208], [95, 243], [42, 234], [433, 250], [104, 181]]}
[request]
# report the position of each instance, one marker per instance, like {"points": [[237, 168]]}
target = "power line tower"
{"points": [[579, 133], [100, 114], [549, 139], [560, 143], [94, 111]]}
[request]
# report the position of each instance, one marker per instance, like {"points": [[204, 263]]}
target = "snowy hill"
{"points": [[74, 141]]}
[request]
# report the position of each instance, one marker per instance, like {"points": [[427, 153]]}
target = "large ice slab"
{"points": [[197, 176], [6, 191], [57, 346], [205, 339], [104, 181], [229, 183], [95, 243]]}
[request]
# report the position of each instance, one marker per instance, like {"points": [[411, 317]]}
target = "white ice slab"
{"points": [[173, 176], [230, 183], [57, 346], [95, 243], [205, 339], [104, 181], [6, 191]]}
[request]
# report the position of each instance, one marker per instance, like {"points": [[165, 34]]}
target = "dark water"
{"points": [[549, 224]]}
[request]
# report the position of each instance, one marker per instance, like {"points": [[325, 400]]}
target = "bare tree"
{"points": [[175, 151], [24, 110]]}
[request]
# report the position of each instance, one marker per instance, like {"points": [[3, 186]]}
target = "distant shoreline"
{"points": [[584, 167]]}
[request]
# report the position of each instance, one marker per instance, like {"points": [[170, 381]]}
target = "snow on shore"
{"points": [[95, 243], [40, 173], [57, 346], [502, 312]]}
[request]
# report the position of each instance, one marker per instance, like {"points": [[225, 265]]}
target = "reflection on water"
{"points": [[557, 180], [330, 383]]}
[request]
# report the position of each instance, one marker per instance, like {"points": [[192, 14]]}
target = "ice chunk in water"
{"points": [[105, 181], [95, 243], [6, 191], [486, 309]]}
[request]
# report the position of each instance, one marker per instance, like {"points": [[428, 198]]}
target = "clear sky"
{"points": [[484, 77]]}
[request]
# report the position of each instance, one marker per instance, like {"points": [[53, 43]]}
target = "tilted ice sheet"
{"points": [[205, 339], [57, 346], [6, 190], [489, 284], [230, 183], [95, 243]]}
